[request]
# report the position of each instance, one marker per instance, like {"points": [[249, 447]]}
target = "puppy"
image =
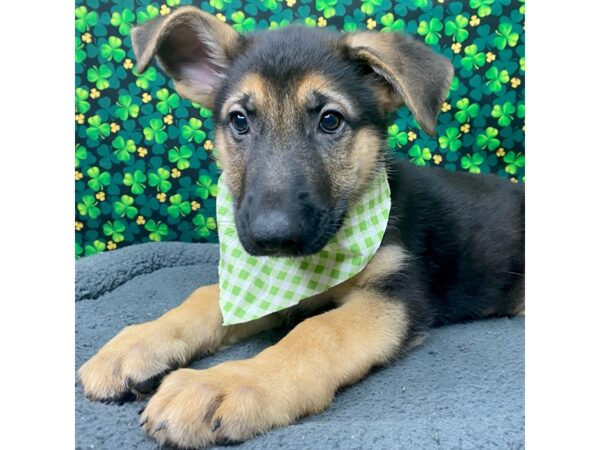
{"points": [[301, 120]]}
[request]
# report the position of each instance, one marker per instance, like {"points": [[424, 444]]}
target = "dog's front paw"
{"points": [[131, 364], [228, 403]]}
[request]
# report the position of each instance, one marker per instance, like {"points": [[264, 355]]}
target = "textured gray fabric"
{"points": [[463, 388]]}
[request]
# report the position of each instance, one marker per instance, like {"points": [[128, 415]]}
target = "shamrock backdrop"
{"points": [[144, 168]]}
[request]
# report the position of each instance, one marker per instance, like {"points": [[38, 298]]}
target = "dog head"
{"points": [[300, 114]]}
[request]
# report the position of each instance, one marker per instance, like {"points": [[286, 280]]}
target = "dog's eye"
{"points": [[330, 121], [239, 122]]}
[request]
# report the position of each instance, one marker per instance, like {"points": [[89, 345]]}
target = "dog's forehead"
{"points": [[290, 51], [287, 67]]}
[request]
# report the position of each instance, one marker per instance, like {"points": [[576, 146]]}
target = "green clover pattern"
{"points": [[144, 165]]}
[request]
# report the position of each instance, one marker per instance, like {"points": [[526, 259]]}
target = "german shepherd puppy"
{"points": [[300, 119]]}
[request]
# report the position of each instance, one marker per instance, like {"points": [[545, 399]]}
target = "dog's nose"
{"points": [[274, 230]]}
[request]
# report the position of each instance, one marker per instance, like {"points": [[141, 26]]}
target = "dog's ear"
{"points": [[405, 72], [193, 47]]}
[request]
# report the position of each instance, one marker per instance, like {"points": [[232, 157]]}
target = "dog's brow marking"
{"points": [[252, 87], [315, 83]]}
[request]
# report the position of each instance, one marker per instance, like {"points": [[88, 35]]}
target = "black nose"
{"points": [[274, 230]]}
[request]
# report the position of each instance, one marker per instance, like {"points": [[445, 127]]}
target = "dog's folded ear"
{"points": [[192, 47], [407, 71]]}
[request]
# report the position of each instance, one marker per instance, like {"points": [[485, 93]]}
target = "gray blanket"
{"points": [[464, 388]]}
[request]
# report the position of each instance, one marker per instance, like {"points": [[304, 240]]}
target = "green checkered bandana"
{"points": [[252, 287]]}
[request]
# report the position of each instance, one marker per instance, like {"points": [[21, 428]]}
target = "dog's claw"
{"points": [[125, 398], [144, 421], [160, 426]]}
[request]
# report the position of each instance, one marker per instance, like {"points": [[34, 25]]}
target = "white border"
{"points": [[563, 226], [37, 192]]}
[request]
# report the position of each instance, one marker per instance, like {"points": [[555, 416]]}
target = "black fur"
{"points": [[312, 215], [465, 235], [464, 232]]}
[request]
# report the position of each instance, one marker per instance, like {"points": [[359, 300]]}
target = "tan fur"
{"points": [[231, 161], [314, 83], [387, 260], [298, 376], [519, 310], [140, 352], [385, 97], [239, 399], [350, 170], [365, 157], [252, 85]]}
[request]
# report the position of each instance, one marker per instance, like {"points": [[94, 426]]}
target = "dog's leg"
{"points": [[132, 363], [236, 400]]}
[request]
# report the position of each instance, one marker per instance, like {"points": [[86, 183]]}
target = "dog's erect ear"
{"points": [[409, 72], [193, 47]]}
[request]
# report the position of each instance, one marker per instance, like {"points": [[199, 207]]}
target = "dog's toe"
{"points": [[132, 364]]}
